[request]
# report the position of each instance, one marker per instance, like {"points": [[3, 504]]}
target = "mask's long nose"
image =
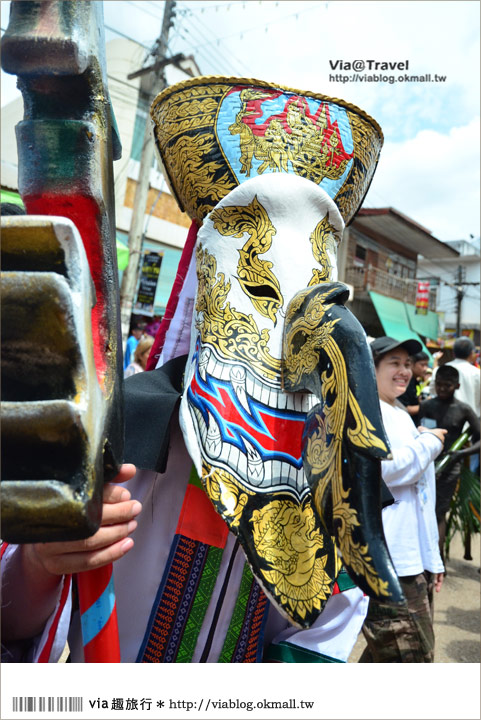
{"points": [[325, 351]]}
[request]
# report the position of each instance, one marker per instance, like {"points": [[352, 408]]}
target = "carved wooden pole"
{"points": [[73, 430]]}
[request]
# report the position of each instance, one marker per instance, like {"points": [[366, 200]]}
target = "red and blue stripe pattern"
{"points": [[98, 615]]}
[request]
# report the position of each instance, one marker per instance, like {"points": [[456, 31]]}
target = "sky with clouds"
{"points": [[429, 167]]}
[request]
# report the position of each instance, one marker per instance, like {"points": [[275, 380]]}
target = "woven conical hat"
{"points": [[213, 133]]}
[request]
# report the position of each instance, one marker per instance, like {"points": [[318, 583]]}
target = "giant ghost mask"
{"points": [[279, 410]]}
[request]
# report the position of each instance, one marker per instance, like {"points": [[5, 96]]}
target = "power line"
{"points": [[127, 37], [260, 27], [193, 28], [214, 7], [209, 58], [231, 55], [142, 7]]}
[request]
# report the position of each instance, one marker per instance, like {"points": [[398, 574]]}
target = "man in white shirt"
{"points": [[469, 381], [469, 375]]}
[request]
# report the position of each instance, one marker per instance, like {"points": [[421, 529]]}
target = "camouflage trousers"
{"points": [[402, 634]]}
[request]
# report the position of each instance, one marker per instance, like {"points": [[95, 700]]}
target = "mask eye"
{"points": [[263, 291]]}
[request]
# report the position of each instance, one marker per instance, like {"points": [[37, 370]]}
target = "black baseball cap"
{"points": [[385, 344]]}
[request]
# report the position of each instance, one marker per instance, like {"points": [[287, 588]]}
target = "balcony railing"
{"points": [[371, 278]]}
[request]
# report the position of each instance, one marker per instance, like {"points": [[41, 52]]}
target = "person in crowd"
{"points": [[152, 328], [141, 355], [8, 208], [446, 411], [469, 381], [469, 375], [136, 333], [424, 394], [410, 398], [406, 634]]}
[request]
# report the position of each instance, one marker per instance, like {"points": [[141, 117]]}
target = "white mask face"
{"points": [[265, 241], [284, 168]]}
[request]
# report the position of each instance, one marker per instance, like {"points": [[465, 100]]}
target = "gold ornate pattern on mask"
{"points": [[286, 538], [255, 276], [366, 153], [234, 333], [199, 178], [324, 237], [226, 494], [313, 336], [364, 434], [324, 448], [324, 451], [184, 132], [309, 146]]}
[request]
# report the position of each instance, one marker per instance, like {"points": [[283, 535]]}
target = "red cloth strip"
{"points": [[92, 584], [174, 296], [45, 654], [104, 647], [198, 519]]}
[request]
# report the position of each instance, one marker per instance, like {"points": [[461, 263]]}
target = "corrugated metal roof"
{"points": [[402, 230]]}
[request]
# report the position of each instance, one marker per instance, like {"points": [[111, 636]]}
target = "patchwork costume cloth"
{"points": [[256, 430]]}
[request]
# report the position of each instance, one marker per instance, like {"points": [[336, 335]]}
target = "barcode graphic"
{"points": [[47, 704]]}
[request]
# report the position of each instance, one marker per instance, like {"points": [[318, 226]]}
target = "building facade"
{"points": [[457, 284], [380, 254]]}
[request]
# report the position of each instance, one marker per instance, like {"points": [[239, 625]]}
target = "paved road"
{"points": [[456, 609]]}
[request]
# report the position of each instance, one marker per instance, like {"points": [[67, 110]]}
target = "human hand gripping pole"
{"points": [[61, 371]]}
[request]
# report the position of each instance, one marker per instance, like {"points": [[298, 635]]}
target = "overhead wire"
{"points": [[203, 54], [141, 6], [261, 26], [193, 29], [127, 37], [216, 40]]}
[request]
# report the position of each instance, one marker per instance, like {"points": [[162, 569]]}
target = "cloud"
{"points": [[434, 179]]}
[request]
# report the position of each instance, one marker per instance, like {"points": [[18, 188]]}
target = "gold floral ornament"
{"points": [[302, 343], [324, 450], [254, 275], [222, 488], [214, 133], [234, 333], [286, 538], [312, 326], [323, 238]]}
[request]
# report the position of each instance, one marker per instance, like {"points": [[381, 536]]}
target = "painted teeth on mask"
{"points": [[255, 466], [238, 380], [282, 475], [213, 441], [204, 358], [246, 385]]}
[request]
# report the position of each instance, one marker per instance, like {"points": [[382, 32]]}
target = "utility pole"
{"points": [[156, 84], [459, 299]]}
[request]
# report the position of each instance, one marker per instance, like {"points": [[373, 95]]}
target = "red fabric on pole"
{"points": [[174, 296], [104, 647], [92, 584], [44, 656]]}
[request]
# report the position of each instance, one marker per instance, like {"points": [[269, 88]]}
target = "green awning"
{"points": [[426, 325], [11, 197], [122, 255], [394, 318]]}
